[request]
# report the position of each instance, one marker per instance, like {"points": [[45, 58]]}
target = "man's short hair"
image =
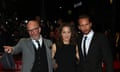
{"points": [[84, 16]]}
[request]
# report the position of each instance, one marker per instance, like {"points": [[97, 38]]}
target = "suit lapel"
{"points": [[46, 46], [30, 46], [48, 53], [80, 42]]}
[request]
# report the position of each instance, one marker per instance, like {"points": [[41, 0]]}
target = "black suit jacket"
{"points": [[99, 51]]}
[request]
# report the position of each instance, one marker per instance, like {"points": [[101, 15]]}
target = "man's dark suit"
{"points": [[99, 51]]}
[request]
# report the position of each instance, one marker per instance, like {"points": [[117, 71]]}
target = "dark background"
{"points": [[105, 15]]}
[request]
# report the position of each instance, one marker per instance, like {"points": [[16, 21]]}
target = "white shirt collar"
{"points": [[90, 34], [40, 41]]}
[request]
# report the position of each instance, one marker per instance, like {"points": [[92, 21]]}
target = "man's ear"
{"points": [[91, 24], [79, 27], [39, 29]]}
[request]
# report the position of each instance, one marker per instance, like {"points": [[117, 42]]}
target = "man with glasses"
{"points": [[36, 53]]}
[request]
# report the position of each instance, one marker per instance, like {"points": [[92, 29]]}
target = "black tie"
{"points": [[38, 43], [84, 46]]}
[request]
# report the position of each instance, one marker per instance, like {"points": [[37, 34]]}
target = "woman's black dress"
{"points": [[65, 58]]}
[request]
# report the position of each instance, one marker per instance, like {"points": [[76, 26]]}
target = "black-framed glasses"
{"points": [[33, 29]]}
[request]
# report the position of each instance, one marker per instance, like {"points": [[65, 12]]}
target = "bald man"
{"points": [[36, 52]]}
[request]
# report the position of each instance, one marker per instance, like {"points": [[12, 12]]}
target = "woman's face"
{"points": [[66, 33]]}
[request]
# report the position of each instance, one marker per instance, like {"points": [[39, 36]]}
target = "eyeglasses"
{"points": [[33, 29]]}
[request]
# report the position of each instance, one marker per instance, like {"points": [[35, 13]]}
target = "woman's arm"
{"points": [[53, 50], [77, 53], [55, 65]]}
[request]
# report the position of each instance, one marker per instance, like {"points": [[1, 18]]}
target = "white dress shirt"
{"points": [[35, 43], [88, 41]]}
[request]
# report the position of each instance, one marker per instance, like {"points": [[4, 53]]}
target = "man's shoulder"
{"points": [[99, 34], [24, 39], [47, 40]]}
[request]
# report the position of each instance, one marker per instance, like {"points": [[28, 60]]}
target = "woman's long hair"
{"points": [[73, 34]]}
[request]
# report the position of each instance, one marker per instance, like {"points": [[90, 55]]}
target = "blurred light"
{"points": [[60, 7], [69, 12], [6, 22], [26, 21], [78, 4], [16, 18], [111, 1], [12, 35], [55, 21], [42, 21]]}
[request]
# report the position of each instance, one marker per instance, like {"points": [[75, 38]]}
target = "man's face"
{"points": [[34, 29], [84, 25]]}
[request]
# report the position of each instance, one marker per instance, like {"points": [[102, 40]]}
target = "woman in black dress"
{"points": [[65, 51]]}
